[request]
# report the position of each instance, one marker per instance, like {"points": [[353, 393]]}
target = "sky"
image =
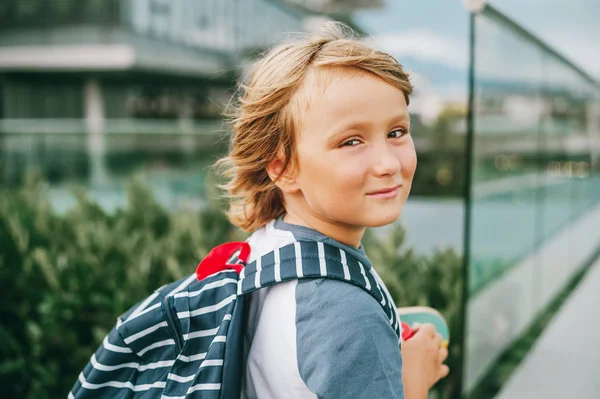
{"points": [[569, 26], [432, 34], [428, 37]]}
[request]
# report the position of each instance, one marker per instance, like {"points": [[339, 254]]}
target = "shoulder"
{"points": [[329, 304], [345, 342], [327, 295], [267, 239]]}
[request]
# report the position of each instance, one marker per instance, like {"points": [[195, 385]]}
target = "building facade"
{"points": [[94, 81]]}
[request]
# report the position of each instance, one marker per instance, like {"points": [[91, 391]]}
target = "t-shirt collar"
{"points": [[303, 233]]}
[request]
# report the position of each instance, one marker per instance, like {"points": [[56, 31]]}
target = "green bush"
{"points": [[65, 278]]}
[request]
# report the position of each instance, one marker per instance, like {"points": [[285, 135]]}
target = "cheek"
{"points": [[408, 160], [334, 180], [349, 172]]}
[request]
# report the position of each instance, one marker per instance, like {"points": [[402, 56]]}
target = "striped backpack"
{"points": [[186, 339]]}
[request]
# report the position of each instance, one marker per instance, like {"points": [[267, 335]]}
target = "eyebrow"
{"points": [[359, 125]]}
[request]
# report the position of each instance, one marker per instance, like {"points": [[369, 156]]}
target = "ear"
{"points": [[284, 179]]}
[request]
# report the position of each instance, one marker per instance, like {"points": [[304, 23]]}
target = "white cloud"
{"points": [[424, 46]]}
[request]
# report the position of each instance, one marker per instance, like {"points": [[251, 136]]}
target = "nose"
{"points": [[385, 161]]}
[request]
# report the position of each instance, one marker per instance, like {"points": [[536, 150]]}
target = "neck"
{"points": [[344, 233]]}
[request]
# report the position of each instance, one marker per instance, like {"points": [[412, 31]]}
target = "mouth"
{"points": [[389, 192]]}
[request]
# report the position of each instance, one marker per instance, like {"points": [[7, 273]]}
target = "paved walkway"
{"points": [[565, 361]]}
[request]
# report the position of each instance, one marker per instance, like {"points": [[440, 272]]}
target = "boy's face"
{"points": [[356, 158]]}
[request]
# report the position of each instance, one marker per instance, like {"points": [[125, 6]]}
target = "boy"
{"points": [[321, 150]]}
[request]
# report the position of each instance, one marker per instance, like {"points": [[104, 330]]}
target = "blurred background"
{"points": [[110, 117]]}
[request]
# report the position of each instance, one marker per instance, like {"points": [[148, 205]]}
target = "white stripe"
{"points": [[199, 334], [345, 265], [206, 363], [103, 367], [212, 363], [257, 275], [208, 333], [383, 302], [322, 264], [204, 387], [118, 384], [133, 365], [179, 378], [184, 284], [134, 316], [220, 338], [156, 345], [142, 306], [298, 260], [362, 271], [235, 257], [277, 266], [390, 305], [209, 286], [207, 309], [239, 283], [115, 348], [70, 396], [156, 365], [387, 293], [145, 332], [193, 358]]}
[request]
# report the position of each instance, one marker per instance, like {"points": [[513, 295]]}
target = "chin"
{"points": [[380, 219]]}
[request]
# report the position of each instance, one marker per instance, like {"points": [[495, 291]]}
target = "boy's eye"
{"points": [[350, 143], [396, 133]]}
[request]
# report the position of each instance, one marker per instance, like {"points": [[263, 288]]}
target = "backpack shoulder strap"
{"points": [[313, 259]]}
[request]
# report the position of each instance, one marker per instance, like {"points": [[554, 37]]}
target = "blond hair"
{"points": [[265, 117]]}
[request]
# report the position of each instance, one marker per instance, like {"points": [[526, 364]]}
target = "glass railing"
{"points": [[535, 184]]}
